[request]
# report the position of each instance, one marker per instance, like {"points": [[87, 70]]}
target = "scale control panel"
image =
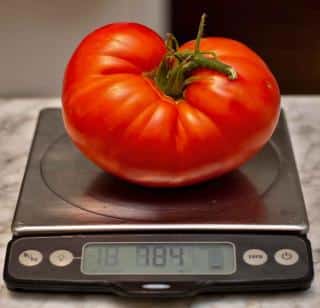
{"points": [[159, 264]]}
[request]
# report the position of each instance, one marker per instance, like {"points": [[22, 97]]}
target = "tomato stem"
{"points": [[173, 73], [200, 33]]}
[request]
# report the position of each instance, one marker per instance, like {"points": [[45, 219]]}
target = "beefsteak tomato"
{"points": [[157, 114]]}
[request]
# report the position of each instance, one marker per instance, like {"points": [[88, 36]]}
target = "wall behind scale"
{"points": [[38, 37], [286, 33]]}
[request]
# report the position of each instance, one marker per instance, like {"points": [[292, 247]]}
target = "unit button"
{"points": [[286, 256], [30, 257], [61, 257], [255, 257]]}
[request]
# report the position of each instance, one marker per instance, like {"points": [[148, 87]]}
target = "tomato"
{"points": [[163, 115]]}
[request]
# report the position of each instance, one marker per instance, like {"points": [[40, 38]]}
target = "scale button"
{"points": [[156, 286], [30, 257], [255, 257], [61, 257], [286, 256]]}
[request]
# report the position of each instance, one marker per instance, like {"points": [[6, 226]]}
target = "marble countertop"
{"points": [[17, 124]]}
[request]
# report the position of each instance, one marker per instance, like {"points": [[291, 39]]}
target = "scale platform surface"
{"points": [[77, 228]]}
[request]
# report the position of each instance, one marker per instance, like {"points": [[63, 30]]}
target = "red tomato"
{"points": [[121, 119]]}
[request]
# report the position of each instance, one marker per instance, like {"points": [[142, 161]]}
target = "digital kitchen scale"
{"points": [[77, 228]]}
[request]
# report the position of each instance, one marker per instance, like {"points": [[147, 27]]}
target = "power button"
{"points": [[286, 257]]}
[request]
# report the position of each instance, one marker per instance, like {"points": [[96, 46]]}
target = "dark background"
{"points": [[286, 34]]}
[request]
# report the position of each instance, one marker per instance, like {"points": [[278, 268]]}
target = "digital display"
{"points": [[216, 258]]}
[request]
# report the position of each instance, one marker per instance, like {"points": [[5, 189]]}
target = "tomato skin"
{"points": [[122, 121]]}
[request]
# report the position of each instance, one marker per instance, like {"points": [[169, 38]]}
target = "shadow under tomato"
{"points": [[231, 197]]}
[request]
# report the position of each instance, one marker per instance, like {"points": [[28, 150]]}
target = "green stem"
{"points": [[216, 65], [200, 33], [172, 42], [174, 72]]}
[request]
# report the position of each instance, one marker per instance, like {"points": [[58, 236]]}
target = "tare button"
{"points": [[255, 257], [286, 257]]}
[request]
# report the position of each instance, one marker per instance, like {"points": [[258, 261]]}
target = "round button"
{"points": [[30, 257], [61, 257], [286, 256], [255, 257], [156, 286]]}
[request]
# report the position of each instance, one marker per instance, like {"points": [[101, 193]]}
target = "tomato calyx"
{"points": [[174, 72]]}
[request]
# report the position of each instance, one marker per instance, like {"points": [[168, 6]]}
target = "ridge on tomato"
{"points": [[157, 114]]}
